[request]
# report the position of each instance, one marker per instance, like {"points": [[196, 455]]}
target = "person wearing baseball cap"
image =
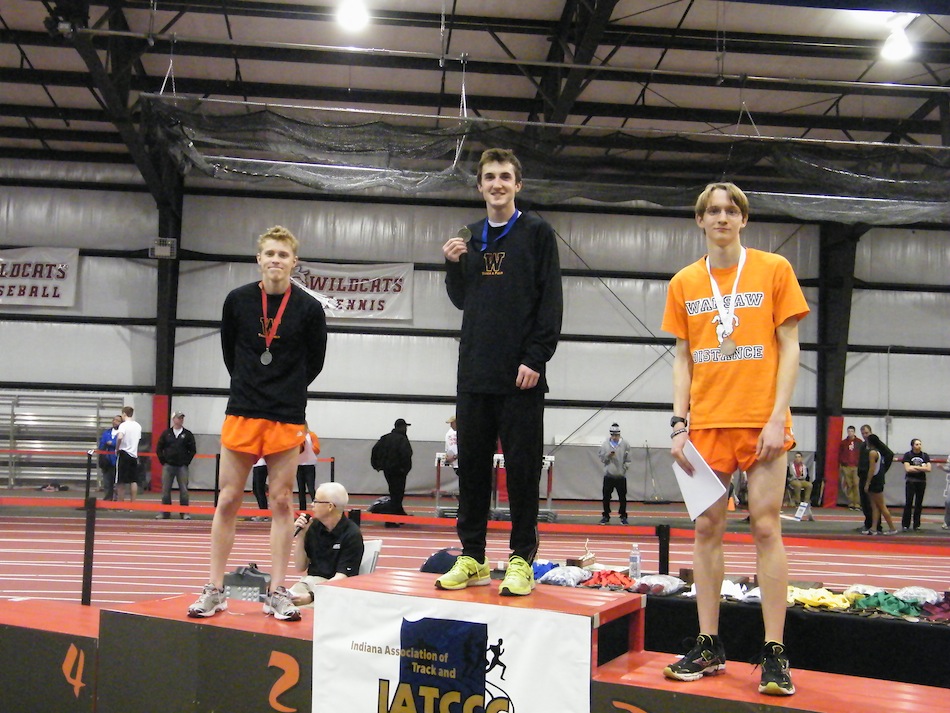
{"points": [[393, 455], [175, 450]]}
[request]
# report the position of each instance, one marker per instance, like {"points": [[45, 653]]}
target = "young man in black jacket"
{"points": [[503, 272], [175, 450], [273, 339]]}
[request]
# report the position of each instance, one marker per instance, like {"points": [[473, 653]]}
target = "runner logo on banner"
{"points": [[359, 291], [390, 653], [38, 277]]}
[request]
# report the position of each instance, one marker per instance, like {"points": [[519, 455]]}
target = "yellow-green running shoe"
{"points": [[519, 578], [466, 572]]}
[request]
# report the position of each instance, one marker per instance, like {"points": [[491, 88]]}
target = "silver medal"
{"points": [[267, 357], [728, 347]]}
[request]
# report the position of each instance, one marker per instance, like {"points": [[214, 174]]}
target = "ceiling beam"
{"points": [[376, 59], [347, 97], [615, 34], [590, 21]]}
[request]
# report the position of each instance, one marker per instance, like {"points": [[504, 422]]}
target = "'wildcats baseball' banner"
{"points": [[360, 291], [390, 653], [40, 277]]}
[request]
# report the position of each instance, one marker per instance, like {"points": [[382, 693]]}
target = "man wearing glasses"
{"points": [[327, 546]]}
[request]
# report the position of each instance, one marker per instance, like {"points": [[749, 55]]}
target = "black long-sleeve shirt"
{"points": [[276, 391], [511, 299]]}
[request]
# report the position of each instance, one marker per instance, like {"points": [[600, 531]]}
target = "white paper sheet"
{"points": [[702, 488]]}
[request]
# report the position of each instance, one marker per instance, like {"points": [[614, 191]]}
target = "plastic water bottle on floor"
{"points": [[635, 561]]}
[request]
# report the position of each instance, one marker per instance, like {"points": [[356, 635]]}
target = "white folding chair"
{"points": [[371, 550]]}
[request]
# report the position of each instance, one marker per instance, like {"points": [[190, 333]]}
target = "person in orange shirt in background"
{"points": [[848, 451], [735, 315]]}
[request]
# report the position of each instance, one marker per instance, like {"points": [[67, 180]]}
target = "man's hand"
{"points": [[771, 442], [454, 248], [677, 451], [302, 523], [527, 377]]}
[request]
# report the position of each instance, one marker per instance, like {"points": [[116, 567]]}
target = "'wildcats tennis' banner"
{"points": [[39, 277], [360, 291]]}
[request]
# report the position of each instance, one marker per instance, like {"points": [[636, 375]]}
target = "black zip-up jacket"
{"points": [[176, 451], [276, 391], [511, 301]]}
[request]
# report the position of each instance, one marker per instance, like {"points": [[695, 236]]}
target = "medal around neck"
{"points": [[267, 357], [728, 347], [464, 233]]}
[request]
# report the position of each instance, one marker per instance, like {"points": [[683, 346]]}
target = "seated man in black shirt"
{"points": [[327, 546]]}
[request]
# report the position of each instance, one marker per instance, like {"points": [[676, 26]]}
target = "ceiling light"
{"points": [[897, 46], [352, 15]]}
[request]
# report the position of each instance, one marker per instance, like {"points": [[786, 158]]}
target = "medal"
{"points": [[464, 233], [269, 334], [726, 311]]}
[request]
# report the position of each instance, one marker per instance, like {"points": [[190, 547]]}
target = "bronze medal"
{"points": [[728, 347]]}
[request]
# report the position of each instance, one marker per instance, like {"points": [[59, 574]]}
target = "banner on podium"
{"points": [[389, 653]]}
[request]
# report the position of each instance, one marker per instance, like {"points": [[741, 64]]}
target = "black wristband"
{"points": [[678, 432], [675, 420]]}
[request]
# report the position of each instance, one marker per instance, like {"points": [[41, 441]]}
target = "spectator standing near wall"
{"points": [[614, 453], [392, 454], [127, 452], [735, 315], [504, 273], [916, 467], [107, 459], [849, 450], [175, 450]]}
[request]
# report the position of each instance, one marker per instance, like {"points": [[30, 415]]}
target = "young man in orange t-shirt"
{"points": [[735, 315]]}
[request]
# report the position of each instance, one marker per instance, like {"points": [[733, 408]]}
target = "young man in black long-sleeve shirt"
{"points": [[503, 272], [273, 337]]}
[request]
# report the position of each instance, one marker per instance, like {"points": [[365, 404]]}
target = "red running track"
{"points": [[142, 559]]}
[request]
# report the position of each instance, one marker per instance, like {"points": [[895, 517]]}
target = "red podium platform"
{"points": [[149, 656], [48, 656], [635, 682], [615, 617]]}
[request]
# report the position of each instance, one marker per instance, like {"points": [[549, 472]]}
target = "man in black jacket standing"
{"points": [[175, 450], [503, 272], [393, 455]]}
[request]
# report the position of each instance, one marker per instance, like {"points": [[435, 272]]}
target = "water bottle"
{"points": [[635, 561]]}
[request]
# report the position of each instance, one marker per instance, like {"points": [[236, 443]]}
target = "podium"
{"points": [[48, 650], [149, 656], [391, 641]]}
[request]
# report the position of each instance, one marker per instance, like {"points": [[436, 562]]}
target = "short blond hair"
{"points": [[731, 189], [280, 234]]}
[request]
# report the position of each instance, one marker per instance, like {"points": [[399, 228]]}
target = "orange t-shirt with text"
{"points": [[736, 391]]}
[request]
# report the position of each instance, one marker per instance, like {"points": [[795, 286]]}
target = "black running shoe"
{"points": [[706, 658], [776, 678]]}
